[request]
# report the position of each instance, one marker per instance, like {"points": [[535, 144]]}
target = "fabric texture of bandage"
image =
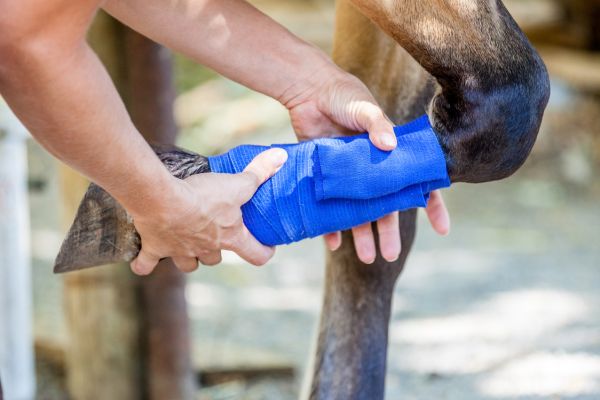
{"points": [[334, 184]]}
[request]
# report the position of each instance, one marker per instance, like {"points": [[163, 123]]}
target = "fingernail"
{"points": [[279, 156], [446, 232], [393, 258], [388, 140], [369, 260], [333, 247]]}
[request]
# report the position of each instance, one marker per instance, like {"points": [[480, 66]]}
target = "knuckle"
{"points": [[258, 175], [189, 253], [232, 220], [250, 180], [388, 229], [361, 234], [211, 259], [204, 252], [208, 247]]}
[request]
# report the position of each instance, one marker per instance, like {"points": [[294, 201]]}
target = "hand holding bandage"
{"points": [[325, 185], [337, 183]]}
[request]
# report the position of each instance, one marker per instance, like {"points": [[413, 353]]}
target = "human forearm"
{"points": [[59, 89], [233, 38], [66, 99], [240, 42]]}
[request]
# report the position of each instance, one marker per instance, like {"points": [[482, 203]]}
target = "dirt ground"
{"points": [[505, 307]]}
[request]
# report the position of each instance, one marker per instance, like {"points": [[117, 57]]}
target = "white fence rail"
{"points": [[16, 344]]}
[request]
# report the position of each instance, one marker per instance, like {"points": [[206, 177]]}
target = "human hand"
{"points": [[204, 217], [335, 103]]}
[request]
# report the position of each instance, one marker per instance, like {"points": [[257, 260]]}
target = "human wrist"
{"points": [[155, 198], [312, 73]]}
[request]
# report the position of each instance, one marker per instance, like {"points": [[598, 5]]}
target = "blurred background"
{"points": [[505, 307]]}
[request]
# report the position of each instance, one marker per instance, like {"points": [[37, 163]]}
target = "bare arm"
{"points": [[57, 86], [231, 37], [59, 89]]}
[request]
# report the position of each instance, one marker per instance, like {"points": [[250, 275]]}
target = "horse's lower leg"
{"points": [[352, 347], [489, 98]]}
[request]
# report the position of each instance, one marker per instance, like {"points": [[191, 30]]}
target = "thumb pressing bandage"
{"points": [[334, 184]]}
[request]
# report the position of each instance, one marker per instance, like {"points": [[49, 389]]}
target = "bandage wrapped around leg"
{"points": [[334, 184], [326, 185]]}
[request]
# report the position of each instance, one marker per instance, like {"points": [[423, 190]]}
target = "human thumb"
{"points": [[381, 130], [260, 169]]}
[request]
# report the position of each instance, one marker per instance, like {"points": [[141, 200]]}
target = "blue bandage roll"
{"points": [[334, 184]]}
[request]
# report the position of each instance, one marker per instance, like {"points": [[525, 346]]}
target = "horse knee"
{"points": [[487, 131]]}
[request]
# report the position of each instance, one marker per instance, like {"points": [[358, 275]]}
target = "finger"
{"points": [[186, 264], [364, 243], [390, 243], [210, 258], [438, 215], [261, 168], [144, 263], [246, 246], [381, 130], [333, 240]]}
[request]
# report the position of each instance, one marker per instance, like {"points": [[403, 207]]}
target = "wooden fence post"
{"points": [[167, 351], [131, 336], [101, 305]]}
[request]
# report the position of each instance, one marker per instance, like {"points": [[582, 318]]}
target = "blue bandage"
{"points": [[334, 184]]}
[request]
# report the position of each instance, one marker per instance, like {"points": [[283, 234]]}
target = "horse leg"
{"points": [[486, 93], [352, 344]]}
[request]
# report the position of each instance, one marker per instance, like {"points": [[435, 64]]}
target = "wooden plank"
{"points": [[212, 377], [584, 16], [535, 14], [130, 335], [578, 68], [101, 305], [54, 354], [167, 341]]}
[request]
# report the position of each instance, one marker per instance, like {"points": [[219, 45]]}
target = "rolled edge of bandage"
{"points": [[353, 168]]}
